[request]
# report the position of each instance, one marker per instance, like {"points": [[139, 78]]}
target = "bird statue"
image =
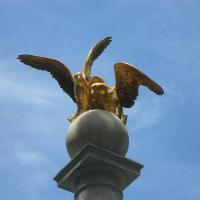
{"points": [[77, 85], [92, 92]]}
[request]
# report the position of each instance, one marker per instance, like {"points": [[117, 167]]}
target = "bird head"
{"points": [[99, 88], [78, 76]]}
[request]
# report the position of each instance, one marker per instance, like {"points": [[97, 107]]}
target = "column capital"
{"points": [[95, 166]]}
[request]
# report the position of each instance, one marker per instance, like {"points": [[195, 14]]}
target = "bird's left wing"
{"points": [[128, 79], [93, 54], [57, 69]]}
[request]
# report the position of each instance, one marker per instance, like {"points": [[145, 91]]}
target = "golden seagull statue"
{"points": [[92, 92]]}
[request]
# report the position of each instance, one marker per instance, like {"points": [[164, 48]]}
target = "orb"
{"points": [[100, 128]]}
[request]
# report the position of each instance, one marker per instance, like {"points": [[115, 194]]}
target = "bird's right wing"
{"points": [[57, 69], [128, 79]]}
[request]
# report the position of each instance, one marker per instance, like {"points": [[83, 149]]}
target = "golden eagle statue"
{"points": [[92, 92]]}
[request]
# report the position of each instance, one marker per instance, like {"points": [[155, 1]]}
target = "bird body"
{"points": [[107, 96]]}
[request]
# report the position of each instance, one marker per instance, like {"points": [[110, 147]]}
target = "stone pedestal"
{"points": [[97, 174], [97, 142]]}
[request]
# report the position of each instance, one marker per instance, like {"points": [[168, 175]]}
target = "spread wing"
{"points": [[94, 53], [128, 80], [57, 69]]}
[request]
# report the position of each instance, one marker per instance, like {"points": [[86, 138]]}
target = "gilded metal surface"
{"points": [[92, 92]]}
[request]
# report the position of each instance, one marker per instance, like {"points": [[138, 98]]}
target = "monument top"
{"points": [[91, 92]]}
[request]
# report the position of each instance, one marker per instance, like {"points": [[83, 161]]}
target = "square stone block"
{"points": [[94, 158]]}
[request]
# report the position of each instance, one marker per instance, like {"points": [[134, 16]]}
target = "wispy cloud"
{"points": [[37, 171], [183, 174], [149, 109], [12, 87], [145, 113], [29, 157], [22, 92]]}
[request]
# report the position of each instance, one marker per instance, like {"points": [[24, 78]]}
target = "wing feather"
{"points": [[93, 54], [56, 68], [128, 80]]}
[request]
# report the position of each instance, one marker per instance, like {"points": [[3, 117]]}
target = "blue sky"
{"points": [[160, 37]]}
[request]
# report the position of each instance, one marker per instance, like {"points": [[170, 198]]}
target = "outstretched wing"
{"points": [[128, 80], [94, 53], [57, 69]]}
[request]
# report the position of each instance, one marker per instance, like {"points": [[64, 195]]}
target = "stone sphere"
{"points": [[100, 128]]}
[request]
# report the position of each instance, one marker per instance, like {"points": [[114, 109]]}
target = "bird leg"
{"points": [[74, 116], [124, 118], [119, 113], [82, 107]]}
